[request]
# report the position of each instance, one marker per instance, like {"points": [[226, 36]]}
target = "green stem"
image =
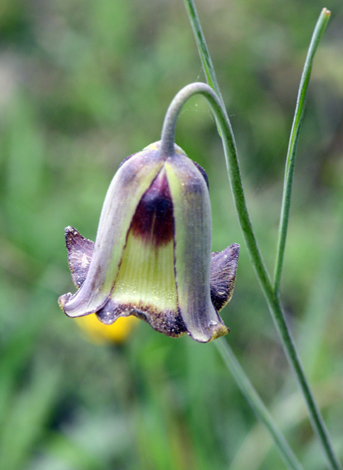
{"points": [[275, 307], [272, 299], [202, 47], [293, 143], [203, 51], [167, 148], [256, 404]]}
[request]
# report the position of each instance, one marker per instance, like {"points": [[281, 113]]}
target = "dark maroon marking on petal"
{"points": [[153, 220], [168, 322], [223, 275], [202, 171], [126, 159], [110, 312], [80, 252]]}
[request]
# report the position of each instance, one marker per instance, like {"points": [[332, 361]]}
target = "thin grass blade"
{"points": [[257, 405], [293, 144]]}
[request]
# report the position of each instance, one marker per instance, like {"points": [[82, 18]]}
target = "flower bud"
{"points": [[152, 254]]}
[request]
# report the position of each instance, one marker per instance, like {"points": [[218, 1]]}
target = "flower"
{"points": [[152, 253], [100, 333]]}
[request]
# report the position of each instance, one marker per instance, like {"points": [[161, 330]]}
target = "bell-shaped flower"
{"points": [[152, 253]]}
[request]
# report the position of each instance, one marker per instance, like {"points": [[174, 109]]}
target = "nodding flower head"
{"points": [[152, 253]]}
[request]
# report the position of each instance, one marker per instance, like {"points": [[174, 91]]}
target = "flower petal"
{"points": [[223, 275], [80, 252], [192, 216], [145, 285], [123, 196]]}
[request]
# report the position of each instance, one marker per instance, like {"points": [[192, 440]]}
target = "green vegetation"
{"points": [[84, 84]]}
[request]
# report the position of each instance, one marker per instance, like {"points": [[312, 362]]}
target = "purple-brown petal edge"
{"points": [[164, 322], [203, 172], [80, 252], [223, 275]]}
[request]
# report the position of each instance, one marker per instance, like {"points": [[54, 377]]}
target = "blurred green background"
{"points": [[83, 84]]}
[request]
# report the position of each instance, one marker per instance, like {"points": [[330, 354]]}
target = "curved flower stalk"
{"points": [[152, 254]]}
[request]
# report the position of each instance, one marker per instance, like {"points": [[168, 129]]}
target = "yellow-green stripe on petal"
{"points": [[146, 276]]}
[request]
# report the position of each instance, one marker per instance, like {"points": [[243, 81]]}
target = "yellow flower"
{"points": [[100, 333]]}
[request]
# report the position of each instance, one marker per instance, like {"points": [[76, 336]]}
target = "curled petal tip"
{"points": [[219, 330], [215, 330], [63, 299]]}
